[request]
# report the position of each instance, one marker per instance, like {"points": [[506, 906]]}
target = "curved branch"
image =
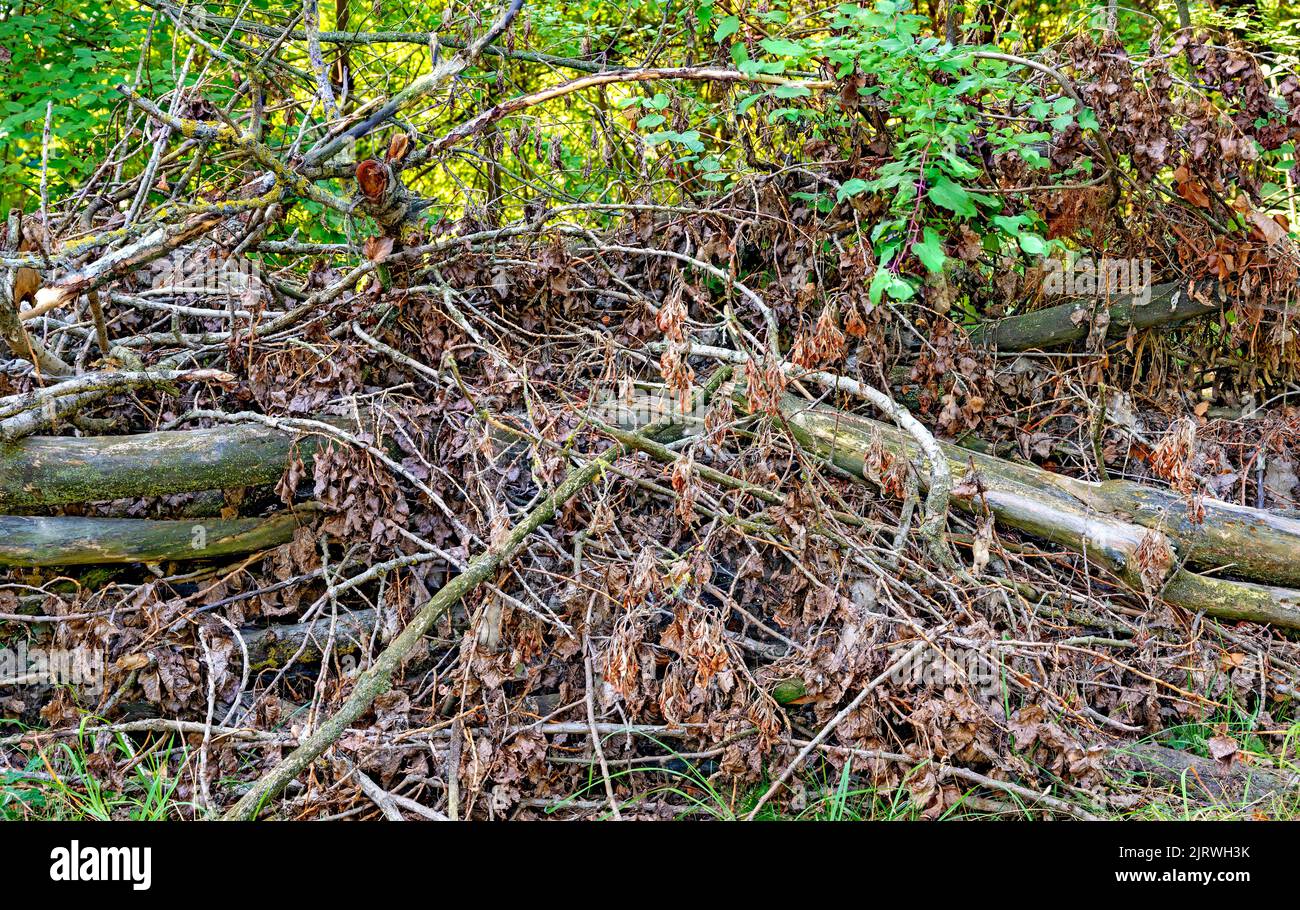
{"points": [[940, 486], [1112, 166], [678, 73]]}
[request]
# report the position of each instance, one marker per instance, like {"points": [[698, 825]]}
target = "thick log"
{"points": [[1248, 543], [1206, 777], [66, 541], [1069, 322], [271, 648], [55, 470], [1094, 519]]}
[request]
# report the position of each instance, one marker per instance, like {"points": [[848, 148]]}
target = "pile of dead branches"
{"points": [[639, 508]]}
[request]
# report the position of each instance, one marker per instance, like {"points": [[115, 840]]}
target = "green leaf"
{"points": [[930, 251], [705, 14], [1032, 244], [820, 201], [726, 28], [850, 188], [1010, 224], [959, 167], [747, 102], [878, 283], [949, 195], [691, 139], [791, 91], [899, 289], [779, 47], [650, 121], [886, 282]]}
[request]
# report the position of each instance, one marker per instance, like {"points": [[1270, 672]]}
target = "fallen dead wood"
{"points": [[965, 774], [26, 414], [272, 647], [378, 678], [1205, 777], [153, 246], [54, 470], [16, 286], [1242, 541], [1058, 325], [1145, 548], [69, 541], [16, 338]]}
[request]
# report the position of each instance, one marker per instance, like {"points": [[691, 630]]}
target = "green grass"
{"points": [[842, 798], [62, 783], [67, 782], [845, 798], [1188, 800]]}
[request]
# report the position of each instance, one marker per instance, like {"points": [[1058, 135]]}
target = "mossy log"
{"points": [[68, 541], [1141, 535], [1205, 777], [56, 470], [271, 648], [1069, 322]]}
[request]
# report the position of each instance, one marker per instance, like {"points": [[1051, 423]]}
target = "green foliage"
{"points": [[70, 55], [926, 94], [63, 785], [73, 56]]}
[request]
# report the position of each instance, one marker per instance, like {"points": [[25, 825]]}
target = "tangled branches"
{"points": [[387, 380]]}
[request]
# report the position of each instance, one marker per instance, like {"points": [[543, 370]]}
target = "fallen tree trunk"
{"points": [[1108, 523], [1245, 542], [1204, 776], [55, 470], [67, 541], [271, 648], [1070, 322]]}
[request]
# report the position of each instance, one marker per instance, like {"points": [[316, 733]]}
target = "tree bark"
{"points": [[1069, 322], [1140, 535], [56, 470], [1204, 776], [271, 648], [67, 541]]}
